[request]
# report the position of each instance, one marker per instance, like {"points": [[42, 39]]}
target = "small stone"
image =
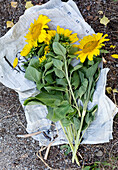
{"points": [[99, 153]]}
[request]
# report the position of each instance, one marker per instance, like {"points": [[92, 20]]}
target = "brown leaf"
{"points": [[96, 17], [90, 17], [13, 4], [88, 7]]}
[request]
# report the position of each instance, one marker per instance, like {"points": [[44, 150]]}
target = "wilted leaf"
{"points": [[88, 7], [104, 61], [115, 91], [14, 4], [109, 90], [10, 24], [112, 46], [114, 55], [100, 12], [104, 20], [28, 4]]}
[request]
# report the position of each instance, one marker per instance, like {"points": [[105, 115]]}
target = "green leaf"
{"points": [[63, 109], [83, 88], [49, 79], [32, 101], [68, 149], [51, 115], [59, 73], [48, 65], [72, 56], [57, 63], [72, 50], [91, 70], [76, 123], [39, 85], [49, 72], [77, 67], [49, 100], [41, 51], [65, 122], [81, 75], [90, 62], [62, 82], [56, 38], [48, 88], [59, 49], [34, 63], [75, 80], [86, 168], [33, 74], [104, 51]]}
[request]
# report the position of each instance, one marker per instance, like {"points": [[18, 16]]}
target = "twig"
{"points": [[47, 151], [29, 135], [40, 157]]}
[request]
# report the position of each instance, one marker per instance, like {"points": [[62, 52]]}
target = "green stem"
{"points": [[77, 141], [67, 77], [70, 134], [70, 143]]}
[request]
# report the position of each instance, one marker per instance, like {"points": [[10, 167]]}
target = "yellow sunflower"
{"points": [[27, 48], [67, 33], [50, 34], [37, 29], [43, 57], [90, 45]]}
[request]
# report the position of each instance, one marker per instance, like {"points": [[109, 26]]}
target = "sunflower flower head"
{"points": [[43, 58], [90, 46], [67, 34], [27, 48], [37, 30]]}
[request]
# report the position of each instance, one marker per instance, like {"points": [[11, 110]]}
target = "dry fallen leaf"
{"points": [[109, 90], [28, 4], [114, 55], [14, 4], [115, 91], [104, 61], [10, 24], [100, 12], [104, 20], [112, 46], [88, 7]]}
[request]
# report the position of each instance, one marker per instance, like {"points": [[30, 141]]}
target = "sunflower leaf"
{"points": [[59, 49], [57, 63]]}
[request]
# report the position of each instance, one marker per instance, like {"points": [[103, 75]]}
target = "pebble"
{"points": [[116, 65], [99, 153]]}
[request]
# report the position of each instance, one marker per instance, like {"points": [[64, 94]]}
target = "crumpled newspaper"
{"points": [[66, 15]]}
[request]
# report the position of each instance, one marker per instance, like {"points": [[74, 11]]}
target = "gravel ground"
{"points": [[18, 153]]}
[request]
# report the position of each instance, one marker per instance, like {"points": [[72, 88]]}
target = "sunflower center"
{"points": [[36, 31], [90, 46]]}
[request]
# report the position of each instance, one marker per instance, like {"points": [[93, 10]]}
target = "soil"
{"points": [[19, 153]]}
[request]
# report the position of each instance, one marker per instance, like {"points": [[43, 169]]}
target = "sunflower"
{"points": [[50, 34], [27, 48], [41, 59], [37, 30], [67, 33], [90, 45]]}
